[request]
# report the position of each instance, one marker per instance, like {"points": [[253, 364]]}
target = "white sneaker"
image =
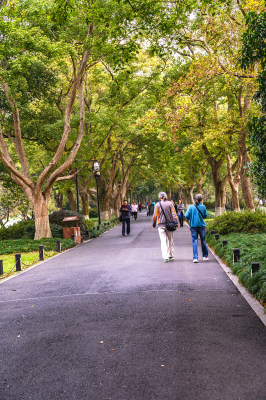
{"points": [[195, 260], [205, 259]]}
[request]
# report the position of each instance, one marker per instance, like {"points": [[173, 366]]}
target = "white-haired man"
{"points": [[164, 211]]}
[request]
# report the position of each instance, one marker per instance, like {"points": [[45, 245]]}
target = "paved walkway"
{"points": [[109, 320]]}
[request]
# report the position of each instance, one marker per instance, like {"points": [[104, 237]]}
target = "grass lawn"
{"points": [[252, 249], [29, 250]]}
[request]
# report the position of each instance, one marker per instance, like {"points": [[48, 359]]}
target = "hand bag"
{"points": [[170, 225]]}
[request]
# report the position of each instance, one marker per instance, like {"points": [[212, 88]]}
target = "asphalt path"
{"points": [[110, 320]]}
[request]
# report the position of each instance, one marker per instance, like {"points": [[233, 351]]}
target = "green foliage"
{"points": [[16, 231], [91, 223], [57, 218], [209, 205], [233, 222], [29, 245], [254, 53], [26, 229], [252, 249], [210, 214], [93, 213]]}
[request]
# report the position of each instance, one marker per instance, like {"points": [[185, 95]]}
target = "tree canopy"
{"points": [[160, 93]]}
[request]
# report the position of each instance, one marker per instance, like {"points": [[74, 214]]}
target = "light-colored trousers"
{"points": [[167, 243]]}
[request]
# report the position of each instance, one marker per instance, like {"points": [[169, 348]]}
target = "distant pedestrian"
{"points": [[151, 208], [180, 211], [140, 206], [134, 210], [164, 211], [148, 208], [125, 217], [196, 214]]}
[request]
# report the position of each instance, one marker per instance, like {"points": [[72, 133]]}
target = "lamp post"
{"points": [[96, 171]]}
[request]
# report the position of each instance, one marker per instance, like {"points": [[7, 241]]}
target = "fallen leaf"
{"points": [[189, 300]]}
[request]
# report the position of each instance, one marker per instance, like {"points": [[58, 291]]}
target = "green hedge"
{"points": [[57, 218], [26, 229], [29, 245], [252, 249], [233, 222]]}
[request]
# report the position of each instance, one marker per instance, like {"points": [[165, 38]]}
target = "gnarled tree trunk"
{"points": [[40, 207]]}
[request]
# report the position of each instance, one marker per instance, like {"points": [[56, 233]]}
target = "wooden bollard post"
{"points": [[1, 268], [41, 252], [58, 246], [236, 255], [216, 236], [255, 266], [224, 242], [18, 262]]}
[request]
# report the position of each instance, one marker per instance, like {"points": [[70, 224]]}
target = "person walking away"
{"points": [[151, 208], [134, 209], [148, 208], [180, 212], [164, 211], [140, 206], [196, 214], [125, 217]]}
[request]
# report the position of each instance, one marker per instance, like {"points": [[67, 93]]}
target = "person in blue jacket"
{"points": [[196, 214], [125, 217]]}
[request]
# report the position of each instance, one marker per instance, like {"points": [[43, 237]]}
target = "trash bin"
{"points": [[72, 230]]}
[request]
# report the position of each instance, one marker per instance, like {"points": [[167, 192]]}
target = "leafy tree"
{"points": [[254, 56]]}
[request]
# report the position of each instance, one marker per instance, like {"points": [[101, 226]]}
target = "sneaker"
{"points": [[166, 260], [171, 258], [195, 260], [205, 259]]}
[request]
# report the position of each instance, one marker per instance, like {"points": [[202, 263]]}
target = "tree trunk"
{"points": [[246, 190], [42, 225], [190, 195], [245, 182], [71, 200], [85, 203], [219, 197], [234, 180], [59, 200]]}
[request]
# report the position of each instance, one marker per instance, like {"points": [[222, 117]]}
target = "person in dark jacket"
{"points": [[180, 211], [125, 216], [196, 214]]}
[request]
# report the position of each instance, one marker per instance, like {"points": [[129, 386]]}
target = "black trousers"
{"points": [[181, 219], [135, 214], [124, 223]]}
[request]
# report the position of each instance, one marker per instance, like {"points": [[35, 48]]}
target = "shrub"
{"points": [[57, 218], [29, 245], [234, 222], [251, 250], [210, 214], [90, 223], [93, 213], [17, 231], [209, 204]]}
